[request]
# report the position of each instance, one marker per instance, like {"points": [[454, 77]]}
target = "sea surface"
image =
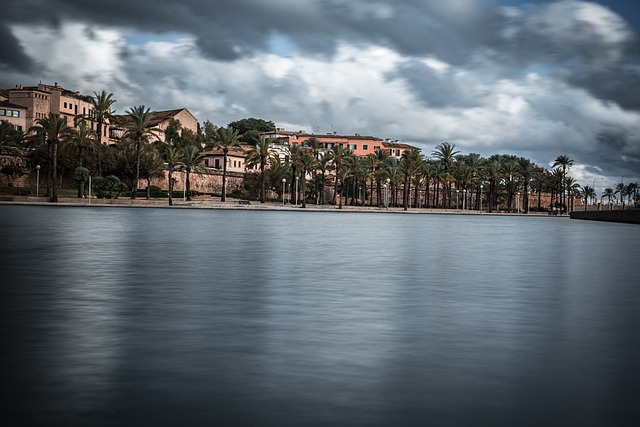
{"points": [[174, 317]]}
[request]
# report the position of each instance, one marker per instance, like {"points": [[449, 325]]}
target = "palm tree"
{"points": [[622, 190], [80, 139], [153, 166], [224, 139], [138, 131], [307, 162], [173, 157], [609, 193], [53, 129], [259, 155], [409, 164], [587, 193], [102, 113], [323, 165], [338, 155], [565, 162], [191, 160], [445, 152], [10, 138]]}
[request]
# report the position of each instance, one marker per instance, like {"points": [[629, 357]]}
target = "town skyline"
{"points": [[533, 79]]}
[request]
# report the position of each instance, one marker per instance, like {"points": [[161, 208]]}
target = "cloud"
{"points": [[537, 80]]}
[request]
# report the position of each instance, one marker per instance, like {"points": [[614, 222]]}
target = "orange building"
{"points": [[159, 122], [358, 144]]}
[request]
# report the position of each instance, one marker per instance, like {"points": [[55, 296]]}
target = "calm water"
{"points": [[194, 317]]}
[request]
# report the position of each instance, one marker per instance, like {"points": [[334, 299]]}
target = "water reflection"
{"points": [[142, 316]]}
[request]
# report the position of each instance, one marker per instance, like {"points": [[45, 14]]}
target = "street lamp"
{"points": [[284, 180], [184, 185], [37, 180], [359, 193], [481, 187], [518, 201], [386, 196], [297, 179], [457, 199], [464, 199]]}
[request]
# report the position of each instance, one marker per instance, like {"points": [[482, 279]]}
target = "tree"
{"points": [[445, 152], [10, 138], [102, 103], [11, 171], [258, 156], [609, 193], [152, 166], [224, 140], [307, 162], [80, 176], [564, 162], [191, 159], [173, 157], [52, 129], [81, 139], [338, 156], [409, 164], [138, 131], [587, 193], [252, 124]]}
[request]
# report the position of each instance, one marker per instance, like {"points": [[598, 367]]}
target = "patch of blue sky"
{"points": [[538, 69], [140, 39], [280, 45]]}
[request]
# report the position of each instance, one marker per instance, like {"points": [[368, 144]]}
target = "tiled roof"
{"points": [[158, 117], [399, 145]]}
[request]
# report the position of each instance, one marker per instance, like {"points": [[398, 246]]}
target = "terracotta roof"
{"points": [[399, 145], [4, 93], [158, 117]]}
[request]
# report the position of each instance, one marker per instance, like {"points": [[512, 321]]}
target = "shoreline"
{"points": [[234, 204]]}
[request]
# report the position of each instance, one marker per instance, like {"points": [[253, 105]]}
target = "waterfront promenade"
{"points": [[206, 202]]}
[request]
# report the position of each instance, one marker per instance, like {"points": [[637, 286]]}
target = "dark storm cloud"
{"points": [[12, 58]]}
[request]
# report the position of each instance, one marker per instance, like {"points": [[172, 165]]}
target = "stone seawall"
{"points": [[631, 216]]}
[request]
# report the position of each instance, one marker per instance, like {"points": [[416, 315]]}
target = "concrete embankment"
{"points": [[631, 216]]}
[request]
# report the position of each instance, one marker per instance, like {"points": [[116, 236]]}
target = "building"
{"points": [[159, 122], [41, 100], [14, 114], [358, 144], [236, 161]]}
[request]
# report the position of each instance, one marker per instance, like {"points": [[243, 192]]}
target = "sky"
{"points": [[536, 79]]}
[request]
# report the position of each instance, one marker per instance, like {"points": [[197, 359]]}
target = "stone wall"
{"points": [[209, 181], [631, 216]]}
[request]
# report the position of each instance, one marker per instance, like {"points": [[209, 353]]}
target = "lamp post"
{"points": [[297, 179], [359, 194], [518, 201], [284, 180], [37, 180], [457, 199], [89, 188], [386, 196], [481, 187], [528, 201], [464, 199]]}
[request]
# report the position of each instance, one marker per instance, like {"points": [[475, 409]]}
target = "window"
{"points": [[365, 147], [65, 105], [18, 128], [340, 145], [217, 164], [352, 147], [329, 145], [2, 112], [397, 152], [16, 114], [376, 147], [206, 162]]}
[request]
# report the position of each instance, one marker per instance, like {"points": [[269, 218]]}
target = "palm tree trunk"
{"points": [[54, 171], [262, 179], [224, 177], [134, 186], [148, 187], [170, 184], [188, 184]]}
